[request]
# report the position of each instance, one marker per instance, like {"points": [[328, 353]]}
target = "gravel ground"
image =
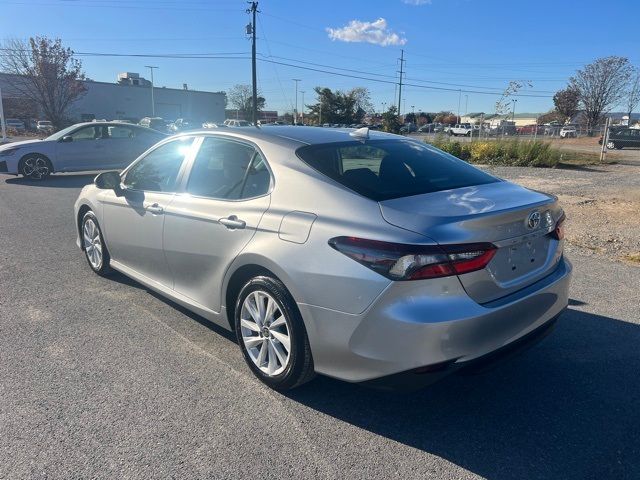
{"points": [[602, 204], [101, 379]]}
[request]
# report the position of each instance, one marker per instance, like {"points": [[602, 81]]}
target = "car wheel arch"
{"points": [[238, 277]]}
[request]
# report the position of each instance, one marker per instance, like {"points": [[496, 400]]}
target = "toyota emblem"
{"points": [[533, 220]]}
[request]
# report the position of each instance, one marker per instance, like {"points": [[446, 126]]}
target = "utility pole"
{"points": [[254, 110], [466, 104], [459, 100], [400, 85], [153, 103], [320, 114], [295, 110], [302, 92], [513, 112], [605, 140], [2, 124]]}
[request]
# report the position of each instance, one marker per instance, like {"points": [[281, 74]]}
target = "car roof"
{"points": [[295, 136]]}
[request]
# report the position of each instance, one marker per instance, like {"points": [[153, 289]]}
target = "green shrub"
{"points": [[502, 152]]}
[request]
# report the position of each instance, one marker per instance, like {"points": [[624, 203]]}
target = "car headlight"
{"points": [[8, 152]]}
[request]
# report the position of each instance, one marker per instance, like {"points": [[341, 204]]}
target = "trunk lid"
{"points": [[498, 213]]}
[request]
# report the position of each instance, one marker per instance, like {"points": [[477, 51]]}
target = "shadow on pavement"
{"points": [[55, 181], [567, 408]]}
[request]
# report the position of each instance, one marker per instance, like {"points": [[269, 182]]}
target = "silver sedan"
{"points": [[363, 256], [84, 146]]}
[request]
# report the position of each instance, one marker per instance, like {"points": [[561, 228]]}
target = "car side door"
{"points": [[133, 219], [82, 149], [225, 194]]}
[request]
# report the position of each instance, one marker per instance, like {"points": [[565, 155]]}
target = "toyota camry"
{"points": [[360, 255]]}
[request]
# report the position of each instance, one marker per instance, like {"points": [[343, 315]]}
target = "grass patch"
{"points": [[633, 258], [514, 153]]}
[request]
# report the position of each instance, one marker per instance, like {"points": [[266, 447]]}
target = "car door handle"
{"points": [[232, 222], [155, 209]]}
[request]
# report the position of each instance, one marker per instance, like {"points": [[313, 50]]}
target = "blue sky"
{"points": [[473, 45]]}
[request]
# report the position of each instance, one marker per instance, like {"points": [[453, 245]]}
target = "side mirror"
{"points": [[67, 138], [108, 181]]}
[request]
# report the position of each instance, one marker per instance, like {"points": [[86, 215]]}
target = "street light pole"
{"points": [[302, 92], [295, 110], [513, 112], [153, 103], [459, 100], [466, 104]]}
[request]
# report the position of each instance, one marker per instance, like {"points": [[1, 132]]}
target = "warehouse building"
{"points": [[130, 99]]}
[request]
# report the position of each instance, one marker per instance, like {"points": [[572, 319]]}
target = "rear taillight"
{"points": [[398, 261], [558, 232]]}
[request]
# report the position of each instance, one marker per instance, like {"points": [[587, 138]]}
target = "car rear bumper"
{"points": [[428, 325]]}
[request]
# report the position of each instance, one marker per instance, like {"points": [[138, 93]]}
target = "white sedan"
{"points": [[84, 146]]}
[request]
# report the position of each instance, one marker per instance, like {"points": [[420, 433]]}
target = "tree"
{"points": [[551, 116], [341, 107], [566, 102], [410, 117], [601, 86], [424, 118], [391, 120], [44, 72], [633, 94], [447, 118], [503, 105], [241, 98]]}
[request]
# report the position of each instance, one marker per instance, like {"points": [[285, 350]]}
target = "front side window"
{"points": [[158, 171], [90, 133], [386, 169], [228, 170]]}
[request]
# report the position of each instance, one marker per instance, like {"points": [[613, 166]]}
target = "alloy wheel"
{"points": [[36, 168], [265, 333], [92, 243], [611, 145]]}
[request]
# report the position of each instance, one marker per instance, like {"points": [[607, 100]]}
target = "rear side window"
{"points": [[228, 170], [386, 169]]}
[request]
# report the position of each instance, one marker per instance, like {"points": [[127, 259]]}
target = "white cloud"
{"points": [[375, 32], [417, 2]]}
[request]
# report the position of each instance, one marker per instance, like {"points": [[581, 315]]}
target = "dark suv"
{"points": [[622, 137]]}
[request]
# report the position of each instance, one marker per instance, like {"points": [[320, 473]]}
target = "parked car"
{"points": [[213, 125], [182, 124], [568, 131], [622, 137], [84, 146], [156, 123], [44, 126], [463, 129], [361, 255], [237, 123], [14, 124], [427, 128], [530, 129]]}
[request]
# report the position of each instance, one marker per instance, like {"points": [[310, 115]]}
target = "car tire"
{"points": [[93, 246], [35, 166], [611, 145], [267, 321]]}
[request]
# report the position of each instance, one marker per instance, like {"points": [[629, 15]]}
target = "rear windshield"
{"points": [[386, 169]]}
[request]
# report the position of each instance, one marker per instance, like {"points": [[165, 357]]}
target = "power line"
{"points": [[231, 56]]}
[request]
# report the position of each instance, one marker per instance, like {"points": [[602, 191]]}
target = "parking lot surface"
{"points": [[100, 378]]}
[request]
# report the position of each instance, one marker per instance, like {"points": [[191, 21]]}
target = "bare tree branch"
{"points": [[602, 86], [44, 72]]}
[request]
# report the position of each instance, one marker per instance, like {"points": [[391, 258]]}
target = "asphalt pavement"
{"points": [[99, 378]]}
